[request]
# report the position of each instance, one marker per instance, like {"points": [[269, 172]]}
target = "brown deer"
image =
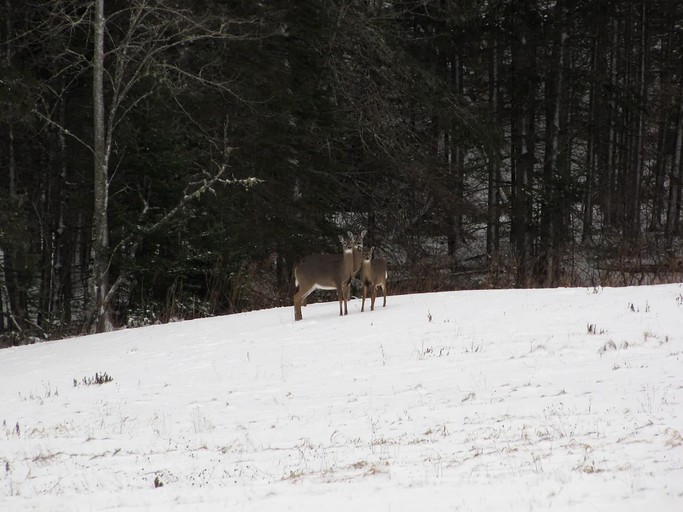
{"points": [[326, 272], [357, 260], [373, 274]]}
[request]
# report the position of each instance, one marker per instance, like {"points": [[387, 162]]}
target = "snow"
{"points": [[563, 399]]}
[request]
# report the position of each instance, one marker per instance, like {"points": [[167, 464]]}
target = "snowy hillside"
{"points": [[564, 399]]}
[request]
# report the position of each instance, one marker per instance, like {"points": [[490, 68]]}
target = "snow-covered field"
{"points": [[563, 399]]}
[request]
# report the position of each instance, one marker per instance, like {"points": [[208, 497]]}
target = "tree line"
{"points": [[164, 160]]}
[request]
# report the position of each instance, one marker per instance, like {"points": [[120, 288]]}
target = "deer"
{"points": [[357, 260], [328, 272], [373, 274]]}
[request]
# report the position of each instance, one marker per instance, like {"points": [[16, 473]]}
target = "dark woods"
{"points": [[163, 160]]}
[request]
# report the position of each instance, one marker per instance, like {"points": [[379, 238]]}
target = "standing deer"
{"points": [[373, 273], [326, 272], [357, 260]]}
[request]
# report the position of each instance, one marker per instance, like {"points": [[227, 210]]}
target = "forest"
{"points": [[164, 160]]}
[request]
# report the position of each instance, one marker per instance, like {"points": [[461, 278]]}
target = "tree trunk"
{"points": [[455, 160], [676, 176], [595, 110], [609, 174], [47, 187], [101, 320], [60, 265], [554, 201], [494, 174], [523, 112], [14, 258], [665, 118], [634, 206]]}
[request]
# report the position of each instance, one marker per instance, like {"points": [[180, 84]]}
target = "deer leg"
{"points": [[365, 291], [297, 309], [347, 297], [346, 291], [299, 297], [373, 296], [340, 295], [384, 289]]}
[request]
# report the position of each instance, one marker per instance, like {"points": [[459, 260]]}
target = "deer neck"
{"points": [[348, 261], [357, 260], [365, 268]]}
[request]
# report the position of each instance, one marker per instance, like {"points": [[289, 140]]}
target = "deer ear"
{"points": [[363, 233], [341, 239], [372, 249], [350, 234]]}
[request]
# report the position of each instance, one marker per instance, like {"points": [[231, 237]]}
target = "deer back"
{"points": [[323, 270], [379, 271], [326, 270]]}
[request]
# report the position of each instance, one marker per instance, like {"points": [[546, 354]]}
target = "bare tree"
{"points": [[136, 50], [101, 153], [13, 256], [523, 83]]}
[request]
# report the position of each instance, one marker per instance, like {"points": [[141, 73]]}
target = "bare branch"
{"points": [[62, 129]]}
